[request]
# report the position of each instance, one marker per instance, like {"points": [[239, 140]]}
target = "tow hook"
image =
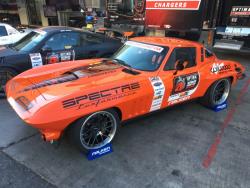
{"points": [[54, 143]]}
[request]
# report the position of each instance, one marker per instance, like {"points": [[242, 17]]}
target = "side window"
{"points": [[3, 31], [208, 53], [88, 39], [62, 41], [181, 54]]}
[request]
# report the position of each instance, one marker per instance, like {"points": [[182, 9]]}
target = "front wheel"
{"points": [[6, 74], [95, 130], [217, 94]]}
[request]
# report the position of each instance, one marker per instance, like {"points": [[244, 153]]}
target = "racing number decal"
{"points": [[183, 87], [159, 91]]}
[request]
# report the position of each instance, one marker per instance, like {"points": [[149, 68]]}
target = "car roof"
{"points": [[4, 24], [166, 41], [58, 28]]}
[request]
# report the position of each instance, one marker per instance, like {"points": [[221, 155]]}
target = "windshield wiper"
{"points": [[127, 66], [122, 63]]}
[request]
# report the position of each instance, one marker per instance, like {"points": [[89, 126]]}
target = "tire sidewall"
{"points": [[75, 129], [212, 90]]}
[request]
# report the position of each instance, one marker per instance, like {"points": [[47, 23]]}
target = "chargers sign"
{"points": [[173, 4], [175, 14]]}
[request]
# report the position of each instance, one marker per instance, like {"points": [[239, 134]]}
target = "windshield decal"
{"points": [[145, 46]]}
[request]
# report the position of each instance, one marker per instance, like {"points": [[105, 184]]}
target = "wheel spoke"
{"points": [[98, 129]]}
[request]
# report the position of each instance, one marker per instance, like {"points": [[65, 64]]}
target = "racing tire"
{"points": [[217, 93], [6, 74], [95, 130]]}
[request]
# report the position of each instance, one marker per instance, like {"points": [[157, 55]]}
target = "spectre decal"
{"points": [[159, 91], [184, 87]]}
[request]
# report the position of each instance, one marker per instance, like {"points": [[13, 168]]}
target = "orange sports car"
{"points": [[90, 98]]}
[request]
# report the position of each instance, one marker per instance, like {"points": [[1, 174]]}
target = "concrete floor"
{"points": [[165, 149]]}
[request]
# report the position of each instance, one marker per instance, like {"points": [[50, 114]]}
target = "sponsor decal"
{"points": [[36, 60], [240, 11], [96, 98], [97, 153], [183, 87], [66, 56], [53, 59], [56, 57], [220, 68], [159, 91], [173, 4], [145, 46]]}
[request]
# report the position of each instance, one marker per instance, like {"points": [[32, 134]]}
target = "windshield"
{"points": [[28, 42], [3, 31], [141, 56]]}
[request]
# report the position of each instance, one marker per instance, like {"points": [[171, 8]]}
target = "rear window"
{"points": [[3, 31]]}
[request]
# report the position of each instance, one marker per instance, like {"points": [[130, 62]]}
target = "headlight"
{"points": [[24, 102]]}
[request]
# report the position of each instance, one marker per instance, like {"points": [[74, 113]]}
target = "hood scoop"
{"points": [[54, 81], [75, 74]]}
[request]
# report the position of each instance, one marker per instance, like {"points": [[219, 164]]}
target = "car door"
{"points": [[60, 47], [181, 85]]}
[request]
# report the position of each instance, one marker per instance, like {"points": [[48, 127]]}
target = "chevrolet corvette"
{"points": [[90, 99]]}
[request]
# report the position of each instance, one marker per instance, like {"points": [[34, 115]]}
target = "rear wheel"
{"points": [[217, 94], [6, 74], [95, 130]]}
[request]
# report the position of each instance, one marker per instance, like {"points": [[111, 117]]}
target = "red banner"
{"points": [[173, 4]]}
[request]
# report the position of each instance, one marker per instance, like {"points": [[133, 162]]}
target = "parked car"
{"points": [[52, 45], [10, 35], [91, 97]]}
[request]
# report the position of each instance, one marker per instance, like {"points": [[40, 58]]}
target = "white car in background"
{"points": [[9, 35]]}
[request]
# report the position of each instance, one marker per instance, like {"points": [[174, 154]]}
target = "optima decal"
{"points": [[159, 91], [93, 99], [240, 11]]}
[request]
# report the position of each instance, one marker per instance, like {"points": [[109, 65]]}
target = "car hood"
{"points": [[88, 75], [5, 51]]}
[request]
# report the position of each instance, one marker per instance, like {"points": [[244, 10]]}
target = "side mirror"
{"points": [[46, 50], [21, 31], [179, 65]]}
